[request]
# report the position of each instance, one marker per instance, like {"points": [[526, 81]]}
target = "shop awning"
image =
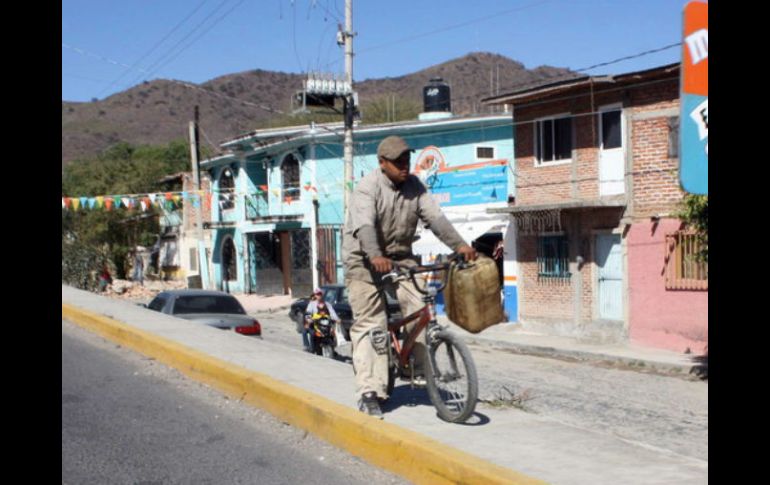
{"points": [[428, 243]]}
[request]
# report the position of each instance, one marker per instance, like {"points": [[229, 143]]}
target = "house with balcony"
{"points": [[599, 249], [277, 207]]}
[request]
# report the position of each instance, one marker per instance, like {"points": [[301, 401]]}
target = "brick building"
{"points": [[599, 251]]}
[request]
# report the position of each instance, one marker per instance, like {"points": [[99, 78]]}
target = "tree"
{"points": [[93, 238], [694, 212]]}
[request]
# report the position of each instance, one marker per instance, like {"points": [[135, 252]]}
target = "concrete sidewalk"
{"points": [[515, 337], [498, 446]]}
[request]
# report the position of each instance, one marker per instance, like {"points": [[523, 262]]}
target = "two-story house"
{"points": [[599, 249], [277, 207]]}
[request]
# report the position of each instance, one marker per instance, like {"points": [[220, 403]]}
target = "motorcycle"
{"points": [[322, 336]]}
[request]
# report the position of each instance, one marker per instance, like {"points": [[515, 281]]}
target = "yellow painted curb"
{"points": [[409, 454]]}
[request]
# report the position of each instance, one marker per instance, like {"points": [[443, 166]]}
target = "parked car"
{"points": [[213, 308], [337, 297]]}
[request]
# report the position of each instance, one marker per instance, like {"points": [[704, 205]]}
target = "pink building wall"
{"points": [[669, 319]]}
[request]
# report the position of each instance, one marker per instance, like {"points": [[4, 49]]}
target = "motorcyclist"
{"points": [[320, 306]]}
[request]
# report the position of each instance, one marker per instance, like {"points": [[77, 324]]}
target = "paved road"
{"points": [[128, 419], [669, 413]]}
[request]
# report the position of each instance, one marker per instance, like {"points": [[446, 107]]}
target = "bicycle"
{"points": [[450, 373]]}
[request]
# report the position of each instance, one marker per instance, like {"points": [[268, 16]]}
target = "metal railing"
{"points": [[684, 269]]}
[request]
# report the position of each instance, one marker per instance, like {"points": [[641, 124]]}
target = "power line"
{"points": [[200, 35], [447, 28], [154, 66], [152, 49], [182, 83]]}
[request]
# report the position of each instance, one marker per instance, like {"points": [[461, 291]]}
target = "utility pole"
{"points": [[195, 157], [348, 105]]}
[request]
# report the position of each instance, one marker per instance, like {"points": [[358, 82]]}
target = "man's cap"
{"points": [[392, 147], [318, 291]]}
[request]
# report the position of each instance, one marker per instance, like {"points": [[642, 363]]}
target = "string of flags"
{"points": [[170, 200], [174, 200]]}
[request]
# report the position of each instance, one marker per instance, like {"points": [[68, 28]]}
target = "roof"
{"points": [[544, 90], [196, 292], [613, 201], [263, 141]]}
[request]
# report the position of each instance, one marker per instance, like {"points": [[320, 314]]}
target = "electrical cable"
{"points": [[152, 49]]}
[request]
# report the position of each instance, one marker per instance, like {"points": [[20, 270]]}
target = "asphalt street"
{"points": [[129, 419]]}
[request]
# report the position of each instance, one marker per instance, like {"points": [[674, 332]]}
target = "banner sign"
{"points": [[693, 120], [475, 183]]}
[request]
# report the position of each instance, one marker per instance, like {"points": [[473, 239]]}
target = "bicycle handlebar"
{"points": [[402, 269]]}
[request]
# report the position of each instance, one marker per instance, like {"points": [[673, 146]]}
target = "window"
{"points": [[553, 140], [611, 136], [290, 178], [684, 270], [553, 257], [226, 190], [158, 303], [193, 259], [673, 137], [207, 304], [485, 153]]}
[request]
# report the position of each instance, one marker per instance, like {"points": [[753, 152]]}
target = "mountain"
{"points": [[159, 111]]}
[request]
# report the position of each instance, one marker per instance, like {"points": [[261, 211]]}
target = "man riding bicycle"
{"points": [[381, 223]]}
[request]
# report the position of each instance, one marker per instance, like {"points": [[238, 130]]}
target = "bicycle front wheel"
{"points": [[452, 382]]}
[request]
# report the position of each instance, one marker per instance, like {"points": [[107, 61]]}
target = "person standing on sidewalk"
{"points": [[381, 223]]}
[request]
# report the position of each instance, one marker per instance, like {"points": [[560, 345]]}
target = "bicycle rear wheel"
{"points": [[452, 382]]}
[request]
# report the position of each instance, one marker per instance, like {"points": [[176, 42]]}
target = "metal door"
{"points": [[609, 259], [611, 158]]}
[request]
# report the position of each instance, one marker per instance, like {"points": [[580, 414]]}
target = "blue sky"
{"points": [[108, 47]]}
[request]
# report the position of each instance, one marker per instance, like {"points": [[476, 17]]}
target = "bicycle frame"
{"points": [[425, 316]]}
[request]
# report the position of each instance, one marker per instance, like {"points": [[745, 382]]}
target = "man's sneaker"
{"points": [[419, 381], [370, 405]]}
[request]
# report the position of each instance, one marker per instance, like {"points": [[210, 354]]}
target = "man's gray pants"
{"points": [[369, 332]]}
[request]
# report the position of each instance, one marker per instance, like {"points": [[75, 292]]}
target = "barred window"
{"points": [[553, 257], [290, 178], [226, 190], [684, 269]]}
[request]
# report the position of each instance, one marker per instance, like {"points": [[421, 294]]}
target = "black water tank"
{"points": [[436, 96]]}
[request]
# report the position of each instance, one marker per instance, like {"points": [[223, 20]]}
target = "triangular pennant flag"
{"points": [[108, 203], [126, 202], [168, 195], [75, 204], [83, 202], [152, 198], [143, 204], [276, 192], [91, 202], [176, 198], [196, 201], [63, 203], [263, 187], [185, 196], [99, 201]]}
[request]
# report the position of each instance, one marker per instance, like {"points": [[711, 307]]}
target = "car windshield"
{"points": [[344, 296], [330, 295], [207, 304]]}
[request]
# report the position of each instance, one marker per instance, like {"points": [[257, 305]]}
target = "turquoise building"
{"points": [[277, 206]]}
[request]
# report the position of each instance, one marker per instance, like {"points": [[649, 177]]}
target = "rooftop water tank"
{"points": [[436, 96]]}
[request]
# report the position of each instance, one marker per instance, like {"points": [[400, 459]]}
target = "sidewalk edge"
{"points": [[399, 450]]}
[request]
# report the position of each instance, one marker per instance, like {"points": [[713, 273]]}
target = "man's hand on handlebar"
{"points": [[469, 253], [382, 264]]}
